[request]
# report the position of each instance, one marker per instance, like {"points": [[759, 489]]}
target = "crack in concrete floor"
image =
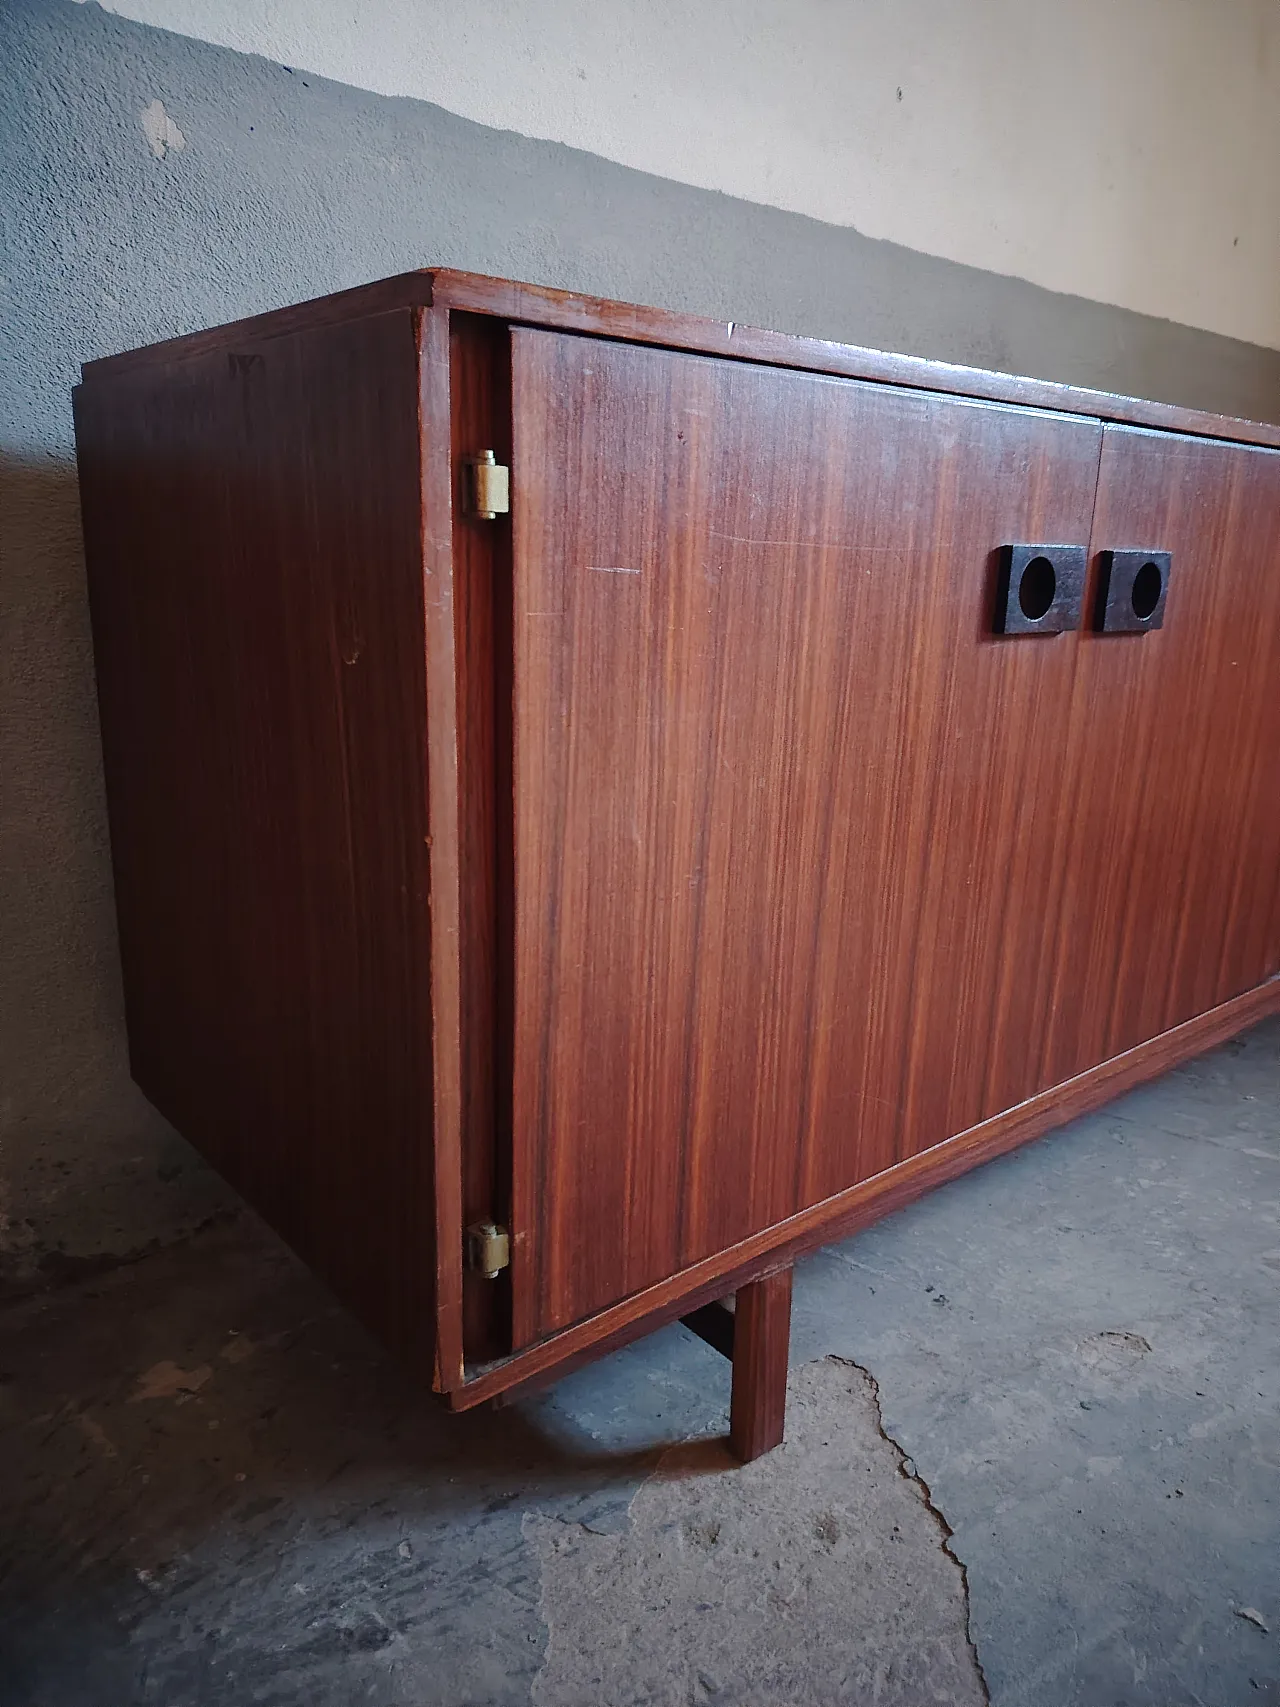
{"points": [[822, 1573], [907, 1467]]}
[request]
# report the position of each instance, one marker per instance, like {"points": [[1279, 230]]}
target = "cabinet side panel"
{"points": [[254, 541]]}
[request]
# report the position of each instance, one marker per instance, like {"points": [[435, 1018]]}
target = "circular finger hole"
{"points": [[1037, 587], [1145, 595]]}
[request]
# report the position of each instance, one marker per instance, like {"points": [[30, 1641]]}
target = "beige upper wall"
{"points": [[1123, 150]]}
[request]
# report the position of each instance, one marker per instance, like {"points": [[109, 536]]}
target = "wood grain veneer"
{"points": [[1173, 759], [786, 809], [253, 533]]}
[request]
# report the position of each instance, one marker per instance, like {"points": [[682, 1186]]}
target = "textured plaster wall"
{"points": [[1125, 150], [150, 184]]}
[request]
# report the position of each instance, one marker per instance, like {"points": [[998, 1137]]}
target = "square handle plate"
{"points": [[1132, 588], [1040, 589]]}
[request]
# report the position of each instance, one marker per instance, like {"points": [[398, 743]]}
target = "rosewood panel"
{"points": [[254, 534], [1173, 860], [787, 822]]}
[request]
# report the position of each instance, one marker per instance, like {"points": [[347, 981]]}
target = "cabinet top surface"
{"points": [[527, 304]]}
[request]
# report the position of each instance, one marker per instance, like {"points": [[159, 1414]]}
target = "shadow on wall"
{"points": [[78, 1143]]}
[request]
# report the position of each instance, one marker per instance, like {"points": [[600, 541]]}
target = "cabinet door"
{"points": [[1175, 754], [787, 834]]}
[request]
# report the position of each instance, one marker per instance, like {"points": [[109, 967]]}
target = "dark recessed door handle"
{"points": [[1132, 589], [1040, 589]]}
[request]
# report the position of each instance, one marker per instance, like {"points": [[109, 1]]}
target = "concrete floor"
{"points": [[1033, 1449]]}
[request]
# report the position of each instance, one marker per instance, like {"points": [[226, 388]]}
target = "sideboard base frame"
{"points": [[849, 1211]]}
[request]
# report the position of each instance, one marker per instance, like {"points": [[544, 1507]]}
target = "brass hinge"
{"points": [[488, 486], [488, 1249]]}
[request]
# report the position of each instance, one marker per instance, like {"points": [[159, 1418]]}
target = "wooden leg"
{"points": [[761, 1334]]}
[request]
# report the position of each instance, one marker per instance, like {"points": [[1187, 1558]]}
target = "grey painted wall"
{"points": [[286, 186]]}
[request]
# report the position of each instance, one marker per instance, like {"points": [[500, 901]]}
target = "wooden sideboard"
{"points": [[603, 802]]}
